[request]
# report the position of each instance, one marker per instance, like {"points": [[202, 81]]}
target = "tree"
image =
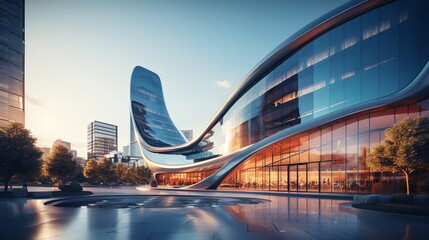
{"points": [[60, 164], [18, 152], [143, 174], [99, 170], [405, 148], [91, 169], [121, 172], [104, 169], [79, 174]]}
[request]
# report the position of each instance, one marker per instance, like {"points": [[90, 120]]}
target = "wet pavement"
{"points": [[175, 215], [151, 201]]}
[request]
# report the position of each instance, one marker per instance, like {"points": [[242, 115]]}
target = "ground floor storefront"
{"points": [[324, 176], [303, 177], [182, 178], [328, 158]]}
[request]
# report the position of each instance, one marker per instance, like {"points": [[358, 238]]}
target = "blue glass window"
{"points": [[369, 57]]}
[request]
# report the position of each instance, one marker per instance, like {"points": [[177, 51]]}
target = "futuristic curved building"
{"points": [[306, 116]]}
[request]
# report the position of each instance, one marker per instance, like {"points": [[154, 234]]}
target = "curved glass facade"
{"points": [[367, 58], [150, 113], [351, 68], [154, 124]]}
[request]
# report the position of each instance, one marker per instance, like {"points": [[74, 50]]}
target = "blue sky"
{"points": [[80, 55]]}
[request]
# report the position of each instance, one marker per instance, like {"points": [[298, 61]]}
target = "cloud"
{"points": [[224, 84]]}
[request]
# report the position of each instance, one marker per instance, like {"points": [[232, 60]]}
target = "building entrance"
{"points": [[298, 177]]}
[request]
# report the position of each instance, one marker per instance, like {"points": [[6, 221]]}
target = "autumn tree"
{"points": [[134, 174], [104, 168], [91, 169], [60, 164], [121, 172], [101, 170], [405, 148], [143, 174], [18, 152]]}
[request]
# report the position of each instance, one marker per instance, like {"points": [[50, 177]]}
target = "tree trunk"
{"points": [[407, 182]]}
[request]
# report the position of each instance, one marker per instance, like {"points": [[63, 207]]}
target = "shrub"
{"points": [[423, 186], [421, 200], [71, 187], [363, 200], [402, 198], [153, 183]]}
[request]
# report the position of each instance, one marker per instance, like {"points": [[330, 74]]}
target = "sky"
{"points": [[80, 55]]}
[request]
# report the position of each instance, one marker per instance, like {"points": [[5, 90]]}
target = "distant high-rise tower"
{"points": [[64, 143], [134, 150], [45, 152], [11, 61], [189, 134], [102, 139]]}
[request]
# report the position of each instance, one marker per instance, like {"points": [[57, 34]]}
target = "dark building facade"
{"points": [[12, 61], [102, 139], [307, 116]]}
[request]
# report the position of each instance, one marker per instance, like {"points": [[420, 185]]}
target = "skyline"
{"points": [[70, 56]]}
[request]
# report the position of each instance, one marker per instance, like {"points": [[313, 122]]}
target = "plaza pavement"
{"points": [[283, 216]]}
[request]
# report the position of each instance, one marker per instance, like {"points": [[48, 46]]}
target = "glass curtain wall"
{"points": [[12, 52], [182, 179], [330, 158], [369, 57]]}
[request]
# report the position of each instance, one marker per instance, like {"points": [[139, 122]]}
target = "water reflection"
{"points": [[280, 212], [54, 223], [29, 219], [281, 217], [11, 221], [323, 219]]}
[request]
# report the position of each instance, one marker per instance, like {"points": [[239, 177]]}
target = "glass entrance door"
{"points": [[302, 177], [283, 176], [293, 177], [298, 177]]}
